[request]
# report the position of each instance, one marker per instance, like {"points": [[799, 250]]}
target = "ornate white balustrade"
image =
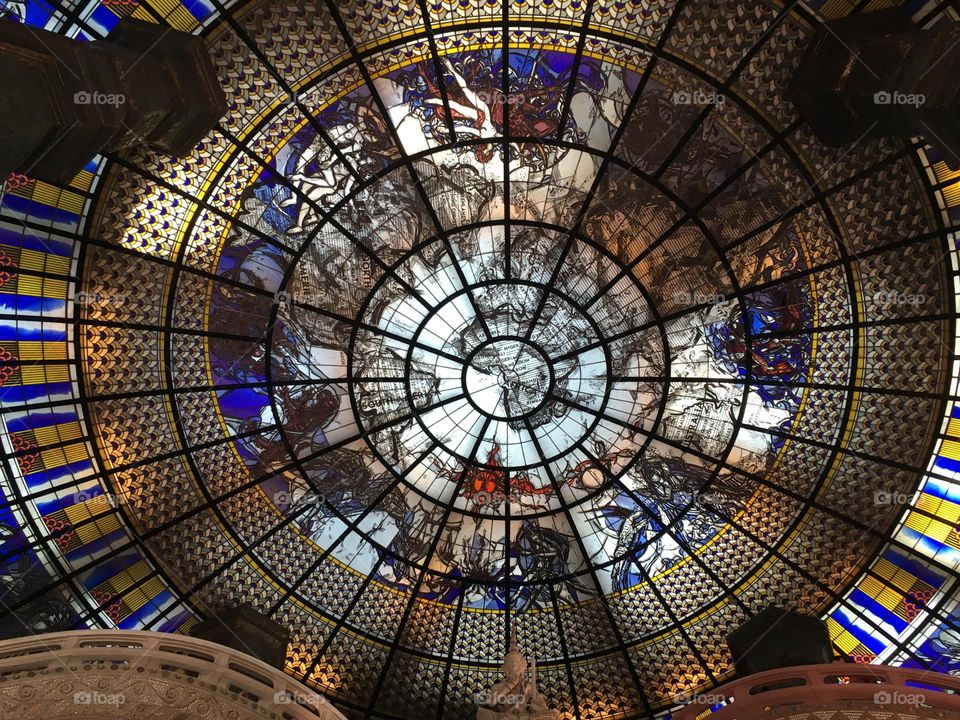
{"points": [[145, 676], [838, 690]]}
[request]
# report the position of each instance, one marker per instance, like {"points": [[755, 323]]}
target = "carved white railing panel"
{"points": [[842, 691], [145, 676]]}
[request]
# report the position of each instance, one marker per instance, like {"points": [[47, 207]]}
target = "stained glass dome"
{"points": [[472, 319]]}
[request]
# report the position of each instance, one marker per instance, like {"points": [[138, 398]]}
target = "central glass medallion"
{"points": [[508, 378]]}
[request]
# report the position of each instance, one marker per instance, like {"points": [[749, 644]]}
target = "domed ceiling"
{"points": [[470, 319]]}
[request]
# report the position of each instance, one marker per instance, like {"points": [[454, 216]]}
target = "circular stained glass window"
{"points": [[469, 320]]}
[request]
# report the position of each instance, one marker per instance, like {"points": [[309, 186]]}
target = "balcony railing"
{"points": [[876, 687], [95, 666]]}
